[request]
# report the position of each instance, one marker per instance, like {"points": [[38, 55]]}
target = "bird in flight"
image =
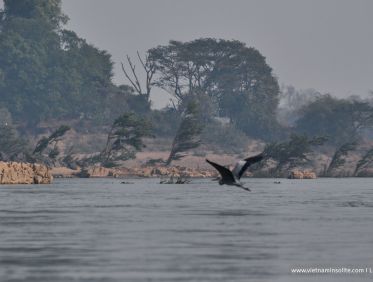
{"points": [[233, 177]]}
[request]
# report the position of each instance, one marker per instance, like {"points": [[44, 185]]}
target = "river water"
{"points": [[102, 230]]}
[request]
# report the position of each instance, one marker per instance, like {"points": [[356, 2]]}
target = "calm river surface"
{"points": [[102, 230]]}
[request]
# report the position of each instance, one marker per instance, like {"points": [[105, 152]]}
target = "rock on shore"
{"points": [[24, 173], [99, 171], [146, 171], [298, 174], [160, 171]]}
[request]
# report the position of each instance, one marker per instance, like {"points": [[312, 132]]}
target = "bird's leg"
{"points": [[244, 188]]}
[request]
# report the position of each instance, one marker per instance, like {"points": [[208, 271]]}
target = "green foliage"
{"points": [[5, 117], [12, 147], [365, 162], [236, 78], [125, 139], [61, 131], [46, 150], [48, 10], [340, 119], [188, 134], [339, 157], [294, 152], [69, 160], [224, 138], [53, 154], [41, 145], [165, 121], [292, 101], [54, 138], [46, 71], [115, 101]]}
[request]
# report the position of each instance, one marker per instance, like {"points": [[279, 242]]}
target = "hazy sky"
{"points": [[321, 44]]}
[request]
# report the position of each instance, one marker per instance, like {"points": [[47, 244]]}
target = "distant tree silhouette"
{"points": [[125, 139], [365, 162], [339, 157], [188, 134]]}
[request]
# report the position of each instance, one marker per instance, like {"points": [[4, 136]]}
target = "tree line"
{"points": [[223, 91]]}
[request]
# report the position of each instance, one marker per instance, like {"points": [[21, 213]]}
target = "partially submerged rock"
{"points": [[172, 180], [309, 175], [24, 173], [299, 174], [96, 172], [99, 171]]}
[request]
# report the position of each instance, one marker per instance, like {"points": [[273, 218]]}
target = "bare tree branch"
{"points": [[130, 80], [133, 69], [149, 69]]}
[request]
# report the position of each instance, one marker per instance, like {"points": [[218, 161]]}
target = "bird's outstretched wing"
{"points": [[241, 166], [225, 173]]}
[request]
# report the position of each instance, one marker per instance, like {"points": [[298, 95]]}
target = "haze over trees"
{"points": [[365, 162], [46, 149], [125, 139], [49, 73], [12, 147], [341, 119], [339, 157], [292, 153], [292, 101], [188, 135], [227, 78]]}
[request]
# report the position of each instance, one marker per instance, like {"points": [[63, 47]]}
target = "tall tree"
{"points": [[45, 70], [340, 119], [294, 152], [47, 10], [188, 134], [236, 78], [339, 157], [365, 162], [46, 150], [12, 147], [125, 139], [149, 69], [291, 102]]}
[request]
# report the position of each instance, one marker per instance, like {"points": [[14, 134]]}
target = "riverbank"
{"points": [[195, 166], [141, 172]]}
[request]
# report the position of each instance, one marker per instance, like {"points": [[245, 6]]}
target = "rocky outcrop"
{"points": [[162, 171], [295, 174], [146, 171], [63, 172], [96, 172], [99, 171], [309, 175], [24, 173], [299, 174]]}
